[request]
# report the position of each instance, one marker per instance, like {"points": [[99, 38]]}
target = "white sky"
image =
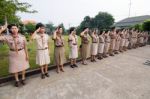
{"points": [[72, 12]]}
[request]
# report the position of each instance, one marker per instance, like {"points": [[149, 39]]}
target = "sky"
{"points": [[72, 12]]}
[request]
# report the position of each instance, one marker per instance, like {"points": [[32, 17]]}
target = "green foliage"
{"points": [[146, 25], [102, 20], [138, 27], [9, 8], [50, 28], [29, 28]]}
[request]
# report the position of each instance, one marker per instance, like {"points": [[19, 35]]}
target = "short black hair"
{"points": [[38, 25], [71, 29], [58, 27], [11, 25], [85, 28]]}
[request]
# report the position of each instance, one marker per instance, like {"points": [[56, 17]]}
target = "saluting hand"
{"points": [[38, 30], [3, 28]]}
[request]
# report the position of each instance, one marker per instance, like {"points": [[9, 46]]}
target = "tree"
{"points": [[85, 23], [9, 8], [146, 25], [50, 27], [29, 28], [138, 27], [101, 21]]}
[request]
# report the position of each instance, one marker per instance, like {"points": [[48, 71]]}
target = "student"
{"points": [[59, 50], [18, 54], [94, 46], [101, 45], [117, 44], [73, 44], [42, 49], [107, 44], [127, 36], [112, 42], [85, 42], [122, 41]]}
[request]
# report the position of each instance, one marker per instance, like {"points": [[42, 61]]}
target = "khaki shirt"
{"points": [[41, 40], [73, 40], [10, 40]]}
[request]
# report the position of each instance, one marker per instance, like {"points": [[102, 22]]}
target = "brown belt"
{"points": [[74, 44], [43, 49], [15, 50], [85, 43], [101, 42], [94, 42], [58, 45]]}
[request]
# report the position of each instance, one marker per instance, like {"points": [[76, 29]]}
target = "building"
{"points": [[131, 21]]}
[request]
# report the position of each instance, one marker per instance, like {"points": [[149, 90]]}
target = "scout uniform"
{"points": [[73, 46], [133, 39], [122, 41], [101, 46], [17, 56], [42, 53], [112, 42], [85, 43], [141, 39], [107, 45], [117, 44], [94, 46], [126, 40], [146, 37], [59, 51]]}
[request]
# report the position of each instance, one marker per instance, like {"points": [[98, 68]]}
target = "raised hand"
{"points": [[3, 28], [38, 30]]}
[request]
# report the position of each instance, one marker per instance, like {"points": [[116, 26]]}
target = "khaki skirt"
{"points": [[141, 40], [122, 42], [73, 52], [117, 45], [85, 51], [59, 55], [42, 57], [112, 44], [101, 48], [126, 42], [94, 48], [106, 47], [17, 62]]}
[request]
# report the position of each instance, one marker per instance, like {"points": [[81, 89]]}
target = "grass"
{"points": [[4, 64]]}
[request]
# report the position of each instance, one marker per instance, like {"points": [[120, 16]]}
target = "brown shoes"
{"points": [[17, 84], [23, 82], [46, 74]]}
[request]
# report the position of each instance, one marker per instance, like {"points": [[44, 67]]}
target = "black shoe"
{"points": [[42, 76], [111, 55], [22, 82], [116, 53], [75, 65], [72, 66], [17, 84], [46, 74], [92, 60]]}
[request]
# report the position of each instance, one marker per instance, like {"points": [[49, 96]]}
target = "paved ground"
{"points": [[121, 77]]}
